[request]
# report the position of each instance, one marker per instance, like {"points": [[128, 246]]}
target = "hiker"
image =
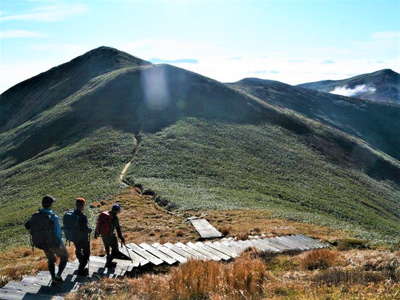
{"points": [[107, 224], [45, 231], [76, 230]]}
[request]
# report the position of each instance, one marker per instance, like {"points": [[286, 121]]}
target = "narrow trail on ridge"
{"points": [[127, 165]]}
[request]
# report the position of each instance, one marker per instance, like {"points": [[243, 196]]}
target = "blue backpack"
{"points": [[71, 225]]}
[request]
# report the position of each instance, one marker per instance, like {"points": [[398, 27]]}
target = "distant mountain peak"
{"points": [[109, 54], [382, 86]]}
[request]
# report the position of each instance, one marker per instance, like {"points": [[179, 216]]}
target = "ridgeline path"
{"points": [[126, 166]]}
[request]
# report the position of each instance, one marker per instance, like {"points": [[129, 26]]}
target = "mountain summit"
{"points": [[32, 96], [203, 144], [381, 86]]}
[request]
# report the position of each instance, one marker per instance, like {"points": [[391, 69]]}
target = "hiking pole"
{"points": [[126, 247]]}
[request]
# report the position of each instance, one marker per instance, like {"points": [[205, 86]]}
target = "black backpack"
{"points": [[41, 228], [71, 226]]}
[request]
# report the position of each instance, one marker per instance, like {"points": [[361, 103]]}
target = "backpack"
{"points": [[104, 224], [41, 228], [71, 226]]}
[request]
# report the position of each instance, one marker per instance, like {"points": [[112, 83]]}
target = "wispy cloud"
{"points": [[174, 61], [351, 92], [386, 35], [50, 13], [12, 34]]}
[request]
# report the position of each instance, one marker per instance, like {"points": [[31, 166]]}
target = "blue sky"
{"points": [[293, 41]]}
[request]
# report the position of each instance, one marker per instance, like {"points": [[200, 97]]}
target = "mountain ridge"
{"points": [[204, 144], [381, 86]]}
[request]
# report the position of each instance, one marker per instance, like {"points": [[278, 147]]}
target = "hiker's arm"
{"points": [[97, 230], [84, 224], [57, 228], [119, 232]]}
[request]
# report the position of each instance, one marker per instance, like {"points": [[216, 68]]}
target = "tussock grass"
{"points": [[241, 279], [320, 259]]}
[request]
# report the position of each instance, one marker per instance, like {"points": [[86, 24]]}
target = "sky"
{"points": [[293, 41]]}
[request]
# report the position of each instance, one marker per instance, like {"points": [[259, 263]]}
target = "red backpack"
{"points": [[104, 224]]}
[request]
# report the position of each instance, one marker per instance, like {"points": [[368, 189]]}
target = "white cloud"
{"points": [[386, 35], [10, 34], [50, 13], [358, 89], [212, 60]]}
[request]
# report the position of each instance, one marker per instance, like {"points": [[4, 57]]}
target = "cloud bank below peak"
{"points": [[353, 92]]}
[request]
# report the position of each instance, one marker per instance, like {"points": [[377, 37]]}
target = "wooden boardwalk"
{"points": [[204, 228], [148, 255]]}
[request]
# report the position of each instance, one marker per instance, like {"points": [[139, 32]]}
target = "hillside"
{"points": [[379, 86], [376, 123], [203, 144]]}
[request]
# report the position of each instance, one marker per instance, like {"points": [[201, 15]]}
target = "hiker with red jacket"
{"points": [[45, 231], [107, 224]]}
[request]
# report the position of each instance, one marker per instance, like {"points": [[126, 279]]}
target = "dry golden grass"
{"points": [[248, 277], [143, 220], [241, 279], [319, 259], [16, 263]]}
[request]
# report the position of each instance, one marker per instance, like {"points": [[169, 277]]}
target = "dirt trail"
{"points": [[126, 166]]}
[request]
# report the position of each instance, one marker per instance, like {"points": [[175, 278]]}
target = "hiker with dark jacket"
{"points": [[46, 234], [107, 225], [77, 230]]}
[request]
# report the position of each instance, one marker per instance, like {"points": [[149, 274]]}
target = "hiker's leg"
{"points": [[107, 246], [62, 253], [85, 252], [51, 260], [79, 255], [114, 246]]}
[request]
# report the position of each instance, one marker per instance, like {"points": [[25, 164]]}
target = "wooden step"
{"points": [[170, 253], [166, 258], [145, 254]]}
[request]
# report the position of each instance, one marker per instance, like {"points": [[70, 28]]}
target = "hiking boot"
{"points": [[84, 272], [111, 265]]}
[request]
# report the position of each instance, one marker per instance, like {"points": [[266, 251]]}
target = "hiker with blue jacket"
{"points": [[45, 230], [77, 230]]}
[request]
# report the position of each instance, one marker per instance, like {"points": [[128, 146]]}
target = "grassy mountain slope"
{"points": [[199, 164], [79, 140], [376, 123], [380, 86]]}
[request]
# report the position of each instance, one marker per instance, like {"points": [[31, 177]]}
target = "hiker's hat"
{"points": [[116, 207], [48, 200]]}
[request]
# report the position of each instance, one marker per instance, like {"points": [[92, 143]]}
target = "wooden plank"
{"points": [[195, 253], [168, 259], [136, 259], [181, 251], [233, 246], [11, 294], [205, 229], [277, 244], [142, 261], [290, 243], [23, 287], [309, 242], [208, 254], [300, 242], [265, 245], [220, 254], [170, 252], [145, 254], [318, 244], [222, 248]]}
